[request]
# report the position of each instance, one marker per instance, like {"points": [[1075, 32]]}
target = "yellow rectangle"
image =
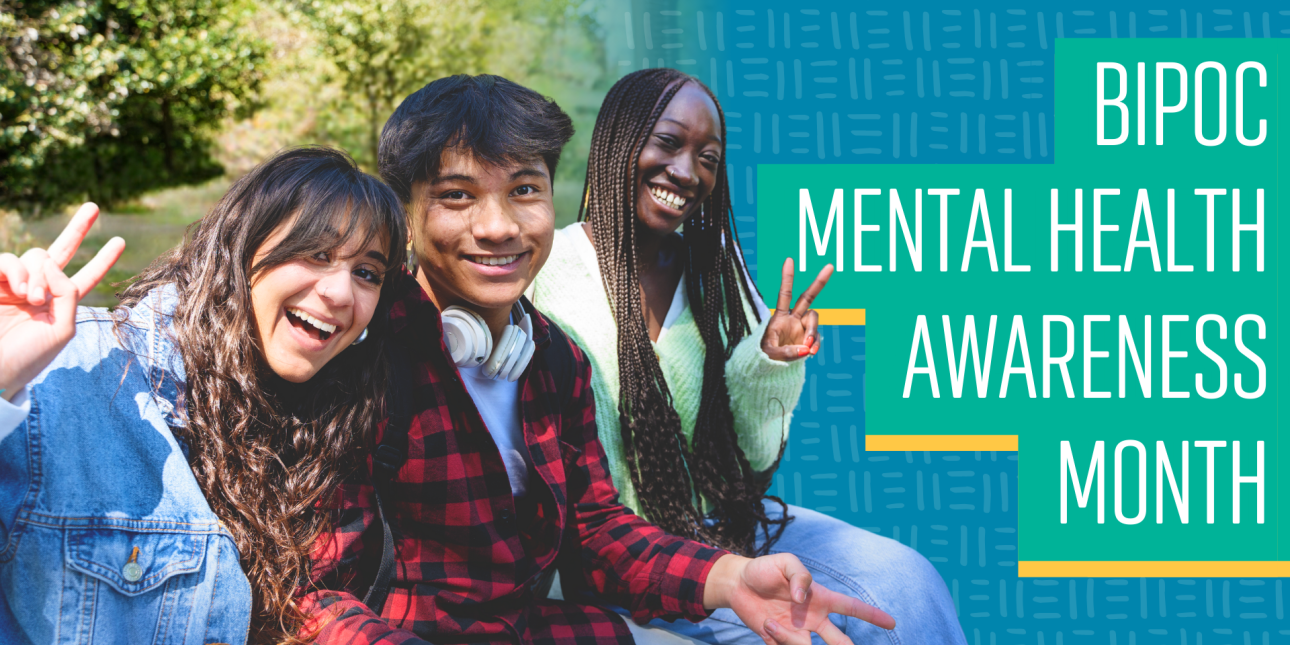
{"points": [[841, 316], [1180, 569], [877, 442]]}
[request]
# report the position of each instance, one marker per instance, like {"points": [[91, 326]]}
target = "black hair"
{"points": [[668, 472], [496, 119]]}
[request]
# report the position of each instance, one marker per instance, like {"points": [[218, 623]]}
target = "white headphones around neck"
{"points": [[471, 343]]}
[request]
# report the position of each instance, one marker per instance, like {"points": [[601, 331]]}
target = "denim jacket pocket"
{"points": [[134, 562]]}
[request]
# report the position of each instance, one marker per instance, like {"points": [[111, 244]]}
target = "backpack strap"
{"points": [[387, 459], [393, 449]]}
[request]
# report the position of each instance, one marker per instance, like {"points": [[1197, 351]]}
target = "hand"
{"points": [[38, 301], [776, 598], [791, 333]]}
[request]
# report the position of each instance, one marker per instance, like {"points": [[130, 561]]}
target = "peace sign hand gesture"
{"points": [[791, 333], [38, 301]]}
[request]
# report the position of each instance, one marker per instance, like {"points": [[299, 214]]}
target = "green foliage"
{"points": [[109, 99], [85, 86], [566, 62], [383, 50]]}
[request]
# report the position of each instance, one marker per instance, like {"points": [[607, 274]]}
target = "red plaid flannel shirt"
{"points": [[467, 556]]}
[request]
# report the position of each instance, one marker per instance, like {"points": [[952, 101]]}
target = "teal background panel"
{"points": [[868, 82]]}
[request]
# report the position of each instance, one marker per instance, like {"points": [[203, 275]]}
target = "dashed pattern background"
{"points": [[832, 82]]}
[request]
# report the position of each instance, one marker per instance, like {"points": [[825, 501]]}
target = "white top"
{"points": [[498, 401], [13, 413]]}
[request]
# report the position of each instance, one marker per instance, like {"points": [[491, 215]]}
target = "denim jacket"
{"points": [[105, 536]]}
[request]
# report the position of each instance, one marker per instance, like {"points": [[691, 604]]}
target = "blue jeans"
{"points": [[879, 571]]}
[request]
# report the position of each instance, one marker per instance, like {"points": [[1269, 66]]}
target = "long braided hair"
{"points": [[669, 474]]}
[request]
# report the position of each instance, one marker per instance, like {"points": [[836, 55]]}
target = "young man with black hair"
{"points": [[497, 476]]}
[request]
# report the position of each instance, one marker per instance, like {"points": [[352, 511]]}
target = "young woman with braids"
{"points": [[160, 463], [694, 377]]}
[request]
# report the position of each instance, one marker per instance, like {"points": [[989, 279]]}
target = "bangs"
{"points": [[327, 215]]}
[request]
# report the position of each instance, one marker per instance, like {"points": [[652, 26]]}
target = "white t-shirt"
{"points": [[498, 401], [13, 413]]}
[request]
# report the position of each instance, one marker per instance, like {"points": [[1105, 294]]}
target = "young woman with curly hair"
{"points": [[695, 379], [161, 462]]}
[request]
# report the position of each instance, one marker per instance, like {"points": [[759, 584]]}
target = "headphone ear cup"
{"points": [[522, 359], [505, 347], [467, 336], [461, 343], [483, 340], [513, 355]]}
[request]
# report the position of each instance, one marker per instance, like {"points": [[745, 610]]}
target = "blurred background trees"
{"points": [[118, 97], [152, 107]]}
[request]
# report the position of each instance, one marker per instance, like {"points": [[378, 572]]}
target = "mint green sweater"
{"points": [[569, 290]]}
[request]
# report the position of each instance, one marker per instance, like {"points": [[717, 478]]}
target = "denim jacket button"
{"points": [[132, 571]]}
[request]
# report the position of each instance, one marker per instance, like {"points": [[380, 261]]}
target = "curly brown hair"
{"points": [[666, 471], [265, 451]]}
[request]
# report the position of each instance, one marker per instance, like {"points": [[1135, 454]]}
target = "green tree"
{"points": [[109, 99], [384, 50]]}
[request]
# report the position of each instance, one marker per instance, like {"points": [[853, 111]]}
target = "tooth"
{"points": [[318, 324]]}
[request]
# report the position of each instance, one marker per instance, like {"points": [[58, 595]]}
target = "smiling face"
{"points": [[678, 164], [309, 310], [482, 232]]}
